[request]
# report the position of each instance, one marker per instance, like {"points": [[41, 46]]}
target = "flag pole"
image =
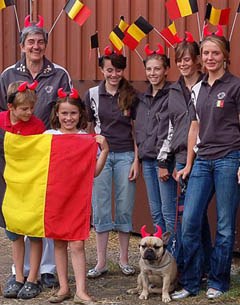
{"points": [[55, 22], [16, 16], [164, 38], [138, 54], [199, 28], [233, 25]]}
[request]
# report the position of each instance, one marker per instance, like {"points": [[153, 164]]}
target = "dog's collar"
{"points": [[166, 264]]}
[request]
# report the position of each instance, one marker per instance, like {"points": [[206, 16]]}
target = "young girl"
{"points": [[69, 117], [111, 111], [152, 126]]}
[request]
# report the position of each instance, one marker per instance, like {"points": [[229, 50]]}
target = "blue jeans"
{"points": [[206, 235], [161, 196], [114, 174], [207, 176]]}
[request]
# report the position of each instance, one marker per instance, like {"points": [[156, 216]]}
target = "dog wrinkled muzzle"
{"points": [[149, 254]]}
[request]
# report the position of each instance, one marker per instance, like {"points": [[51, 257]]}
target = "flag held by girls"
{"points": [[217, 16], [170, 34], [48, 184], [136, 32], [77, 11], [181, 8], [5, 3]]}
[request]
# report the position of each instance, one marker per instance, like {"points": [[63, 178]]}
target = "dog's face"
{"points": [[152, 248]]}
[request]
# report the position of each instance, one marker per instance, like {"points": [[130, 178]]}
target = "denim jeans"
{"points": [[161, 196], [207, 176], [206, 235], [114, 174]]}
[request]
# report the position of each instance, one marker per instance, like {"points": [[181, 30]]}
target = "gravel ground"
{"points": [[111, 289]]}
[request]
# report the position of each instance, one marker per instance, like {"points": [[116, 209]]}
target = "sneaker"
{"points": [[181, 294], [127, 269], [213, 293], [94, 273]]}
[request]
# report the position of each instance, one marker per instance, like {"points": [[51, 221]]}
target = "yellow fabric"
{"points": [[26, 177], [172, 28], [215, 16], [184, 7], [136, 33], [116, 41], [76, 8], [2, 4], [123, 25]]}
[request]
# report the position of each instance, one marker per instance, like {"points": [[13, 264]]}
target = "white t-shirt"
{"points": [[57, 131]]}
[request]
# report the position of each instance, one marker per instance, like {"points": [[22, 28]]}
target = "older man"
{"points": [[33, 65]]}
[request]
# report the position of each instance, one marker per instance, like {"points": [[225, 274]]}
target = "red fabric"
{"points": [[130, 41], [169, 36], [31, 127], [69, 187], [172, 9], [224, 16], [83, 15]]}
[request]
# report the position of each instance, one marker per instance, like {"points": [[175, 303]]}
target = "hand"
{"points": [[102, 142], [183, 173], [163, 174], [134, 170]]}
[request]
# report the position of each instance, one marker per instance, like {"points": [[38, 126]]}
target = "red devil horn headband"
{"points": [[61, 93], [219, 31], [27, 22], [189, 37], [74, 93], [159, 51], [157, 234], [108, 51], [148, 52]]}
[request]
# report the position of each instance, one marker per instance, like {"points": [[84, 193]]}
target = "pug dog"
{"points": [[158, 268]]}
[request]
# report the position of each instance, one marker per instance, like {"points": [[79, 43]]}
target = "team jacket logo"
{"points": [[220, 101]]}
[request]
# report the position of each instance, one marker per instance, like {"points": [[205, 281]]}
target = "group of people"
{"points": [[186, 133]]}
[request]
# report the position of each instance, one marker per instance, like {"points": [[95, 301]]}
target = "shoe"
{"points": [[78, 300], [12, 288], [59, 298], [127, 269], [29, 290], [49, 280], [94, 273], [213, 293], [181, 294]]}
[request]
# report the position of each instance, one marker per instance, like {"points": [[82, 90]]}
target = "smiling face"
{"points": [[34, 47], [156, 72], [68, 116], [111, 74], [212, 57], [186, 65]]}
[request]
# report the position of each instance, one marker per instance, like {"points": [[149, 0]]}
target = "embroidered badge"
{"points": [[220, 104], [221, 95], [49, 89]]}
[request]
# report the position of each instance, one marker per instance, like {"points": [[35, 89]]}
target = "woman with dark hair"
{"points": [[111, 111], [152, 126], [215, 169]]}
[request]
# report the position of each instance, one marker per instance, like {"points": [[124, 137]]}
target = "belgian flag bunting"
{"points": [[5, 3], [181, 8], [136, 32], [47, 185], [77, 11], [217, 16]]}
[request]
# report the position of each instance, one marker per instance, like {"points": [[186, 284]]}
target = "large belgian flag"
{"points": [[77, 11], [48, 186]]}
